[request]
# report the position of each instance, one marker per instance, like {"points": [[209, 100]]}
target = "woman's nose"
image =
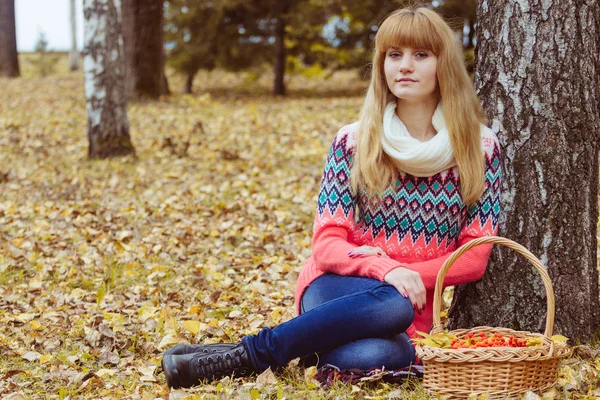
{"points": [[406, 64]]}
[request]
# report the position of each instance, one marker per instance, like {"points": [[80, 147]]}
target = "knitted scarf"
{"points": [[411, 155]]}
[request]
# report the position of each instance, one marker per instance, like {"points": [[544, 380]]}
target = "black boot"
{"points": [[199, 348], [186, 370]]}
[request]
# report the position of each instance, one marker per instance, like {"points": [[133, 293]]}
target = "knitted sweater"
{"points": [[418, 222]]}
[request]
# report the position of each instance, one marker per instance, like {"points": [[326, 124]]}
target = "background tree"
{"points": [[108, 128], [458, 11], [547, 116], [45, 60], [192, 31], [74, 54], [143, 38], [241, 35], [9, 59]]}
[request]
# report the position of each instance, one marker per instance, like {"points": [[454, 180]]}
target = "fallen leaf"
{"points": [[32, 356]]}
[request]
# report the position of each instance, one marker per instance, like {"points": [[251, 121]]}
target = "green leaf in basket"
{"points": [[559, 338], [534, 341], [441, 340]]}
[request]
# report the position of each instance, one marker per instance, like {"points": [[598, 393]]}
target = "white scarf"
{"points": [[411, 155]]}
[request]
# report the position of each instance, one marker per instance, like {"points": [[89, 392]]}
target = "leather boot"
{"points": [[199, 348], [187, 370]]}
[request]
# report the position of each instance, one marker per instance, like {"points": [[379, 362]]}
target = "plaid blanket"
{"points": [[328, 373]]}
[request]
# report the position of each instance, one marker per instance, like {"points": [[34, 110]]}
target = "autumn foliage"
{"points": [[105, 264]]}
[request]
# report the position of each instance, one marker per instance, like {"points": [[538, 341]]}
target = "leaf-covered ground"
{"points": [[200, 238]]}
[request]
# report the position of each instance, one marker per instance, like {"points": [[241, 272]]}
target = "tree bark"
{"points": [[74, 54], [108, 128], [9, 58], [280, 53], [537, 76], [143, 39]]}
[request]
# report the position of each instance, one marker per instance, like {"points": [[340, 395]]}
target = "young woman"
{"points": [[417, 176]]}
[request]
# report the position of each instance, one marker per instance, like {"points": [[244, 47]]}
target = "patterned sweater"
{"points": [[418, 222]]}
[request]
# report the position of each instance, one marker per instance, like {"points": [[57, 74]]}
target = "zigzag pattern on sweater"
{"points": [[417, 206]]}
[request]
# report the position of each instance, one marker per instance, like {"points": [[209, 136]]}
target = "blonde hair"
{"points": [[421, 28]]}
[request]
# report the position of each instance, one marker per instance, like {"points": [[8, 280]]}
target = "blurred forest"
{"points": [[313, 38]]}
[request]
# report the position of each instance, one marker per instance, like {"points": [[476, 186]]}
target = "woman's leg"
{"points": [[392, 353], [336, 310]]}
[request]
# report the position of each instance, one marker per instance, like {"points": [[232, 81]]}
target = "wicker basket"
{"points": [[500, 371]]}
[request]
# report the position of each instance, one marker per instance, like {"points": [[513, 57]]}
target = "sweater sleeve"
{"points": [[481, 220], [334, 219]]}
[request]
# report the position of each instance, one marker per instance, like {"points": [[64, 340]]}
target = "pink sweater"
{"points": [[418, 222]]}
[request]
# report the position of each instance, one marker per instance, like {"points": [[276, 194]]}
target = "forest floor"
{"points": [[198, 238]]}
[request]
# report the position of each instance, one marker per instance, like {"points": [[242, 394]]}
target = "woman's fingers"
{"points": [[367, 251], [414, 297], [423, 292]]}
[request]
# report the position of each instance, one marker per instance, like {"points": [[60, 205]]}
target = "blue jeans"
{"points": [[346, 321]]}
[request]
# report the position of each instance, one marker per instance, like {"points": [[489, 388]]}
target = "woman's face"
{"points": [[411, 74]]}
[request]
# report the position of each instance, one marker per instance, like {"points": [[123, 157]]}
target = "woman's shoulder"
{"points": [[489, 140], [347, 135]]}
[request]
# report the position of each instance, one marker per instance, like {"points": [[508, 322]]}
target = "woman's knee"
{"points": [[392, 308]]}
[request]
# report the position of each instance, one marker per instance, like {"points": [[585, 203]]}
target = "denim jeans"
{"points": [[346, 321]]}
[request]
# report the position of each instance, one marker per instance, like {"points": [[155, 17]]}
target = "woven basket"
{"points": [[500, 371]]}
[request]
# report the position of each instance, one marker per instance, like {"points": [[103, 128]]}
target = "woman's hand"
{"points": [[409, 284], [363, 251]]}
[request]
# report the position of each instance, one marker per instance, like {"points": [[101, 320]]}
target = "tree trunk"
{"points": [[280, 53], [108, 129], [143, 39], [189, 83], [537, 77], [74, 55], [471, 40], [9, 58]]}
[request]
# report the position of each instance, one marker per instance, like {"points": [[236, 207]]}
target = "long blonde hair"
{"points": [[421, 28]]}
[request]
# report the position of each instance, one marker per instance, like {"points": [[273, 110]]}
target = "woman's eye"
{"points": [[421, 54], [394, 54]]}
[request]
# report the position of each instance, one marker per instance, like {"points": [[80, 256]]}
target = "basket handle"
{"points": [[437, 297]]}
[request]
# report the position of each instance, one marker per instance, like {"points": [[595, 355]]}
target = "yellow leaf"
{"points": [[35, 325], [309, 373], [192, 326], [559, 338], [45, 358], [213, 323], [254, 394], [146, 312], [534, 341], [25, 317], [196, 310]]}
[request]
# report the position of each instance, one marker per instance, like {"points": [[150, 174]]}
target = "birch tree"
{"points": [[537, 75], [108, 128], [74, 54]]}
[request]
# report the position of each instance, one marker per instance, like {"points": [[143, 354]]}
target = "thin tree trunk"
{"points": [[108, 128], [143, 37], [280, 53], [74, 55], [9, 58], [537, 76], [189, 82]]}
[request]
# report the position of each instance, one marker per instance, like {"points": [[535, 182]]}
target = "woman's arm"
{"points": [[482, 220], [334, 219]]}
